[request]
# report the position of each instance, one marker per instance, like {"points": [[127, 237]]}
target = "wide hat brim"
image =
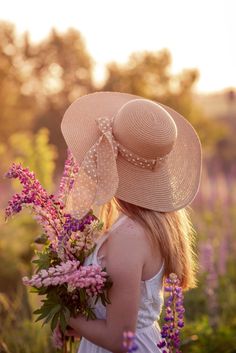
{"points": [[169, 186]]}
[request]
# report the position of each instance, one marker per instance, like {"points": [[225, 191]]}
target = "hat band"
{"points": [[105, 126], [137, 160]]}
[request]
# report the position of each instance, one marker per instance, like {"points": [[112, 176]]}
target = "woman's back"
{"points": [[150, 295], [147, 157]]}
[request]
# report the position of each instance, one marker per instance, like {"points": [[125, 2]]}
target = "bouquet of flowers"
{"points": [[60, 275], [69, 286]]}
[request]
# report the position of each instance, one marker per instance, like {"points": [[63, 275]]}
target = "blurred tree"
{"points": [[148, 74], [34, 152], [39, 81], [226, 146], [62, 68], [16, 107], [62, 71], [18, 234], [145, 74]]}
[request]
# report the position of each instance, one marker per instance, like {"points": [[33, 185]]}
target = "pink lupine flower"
{"points": [[72, 274], [35, 196], [67, 180], [68, 236], [57, 338]]}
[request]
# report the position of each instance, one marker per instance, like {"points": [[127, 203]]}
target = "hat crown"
{"points": [[145, 128]]}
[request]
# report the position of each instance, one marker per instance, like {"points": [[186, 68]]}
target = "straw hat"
{"points": [[138, 150]]}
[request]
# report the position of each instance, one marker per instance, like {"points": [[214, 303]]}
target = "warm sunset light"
{"points": [[199, 34], [117, 176]]}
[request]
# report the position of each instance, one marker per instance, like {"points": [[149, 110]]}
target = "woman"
{"points": [[141, 160]]}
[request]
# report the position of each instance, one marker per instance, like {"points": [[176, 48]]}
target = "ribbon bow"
{"points": [[97, 179]]}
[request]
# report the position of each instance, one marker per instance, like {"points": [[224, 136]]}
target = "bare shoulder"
{"points": [[127, 244], [129, 233]]}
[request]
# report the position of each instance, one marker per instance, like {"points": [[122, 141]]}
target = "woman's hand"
{"points": [[73, 326], [70, 332]]}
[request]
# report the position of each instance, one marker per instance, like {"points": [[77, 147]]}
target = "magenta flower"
{"points": [[65, 233], [34, 195], [129, 343], [70, 170], [33, 192], [57, 338]]}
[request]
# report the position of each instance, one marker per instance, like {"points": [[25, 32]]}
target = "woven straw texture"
{"points": [[150, 130]]}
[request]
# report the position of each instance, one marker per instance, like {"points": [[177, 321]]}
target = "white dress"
{"points": [[151, 302]]}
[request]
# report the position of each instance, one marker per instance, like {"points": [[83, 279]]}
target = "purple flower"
{"points": [[70, 170], [129, 343], [33, 194], [57, 226], [173, 319], [161, 344]]}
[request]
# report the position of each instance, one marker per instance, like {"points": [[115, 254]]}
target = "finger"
{"points": [[71, 332]]}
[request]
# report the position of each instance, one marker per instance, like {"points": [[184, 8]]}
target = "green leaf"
{"points": [[41, 239], [67, 313], [38, 311], [42, 316], [63, 322], [53, 311], [103, 300], [100, 225], [54, 321], [82, 295], [90, 314], [108, 300], [43, 261], [96, 300]]}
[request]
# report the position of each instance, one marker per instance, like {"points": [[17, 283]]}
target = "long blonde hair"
{"points": [[171, 232]]}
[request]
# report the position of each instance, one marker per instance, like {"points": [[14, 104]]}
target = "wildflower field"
{"points": [[210, 322], [211, 307], [38, 81]]}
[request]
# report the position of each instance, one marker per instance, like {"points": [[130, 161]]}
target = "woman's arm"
{"points": [[125, 259]]}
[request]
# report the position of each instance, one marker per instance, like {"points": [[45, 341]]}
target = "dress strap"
{"points": [[102, 239], [118, 222]]}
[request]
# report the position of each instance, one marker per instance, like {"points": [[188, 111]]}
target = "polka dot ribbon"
{"points": [[97, 179]]}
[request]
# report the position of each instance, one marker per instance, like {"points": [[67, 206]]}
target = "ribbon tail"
{"points": [[107, 174], [97, 179], [81, 196], [83, 192]]}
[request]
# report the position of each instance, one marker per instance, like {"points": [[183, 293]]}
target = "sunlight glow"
{"points": [[199, 34]]}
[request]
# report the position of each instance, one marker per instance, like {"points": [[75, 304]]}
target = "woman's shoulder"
{"points": [[125, 255], [129, 237], [127, 228]]}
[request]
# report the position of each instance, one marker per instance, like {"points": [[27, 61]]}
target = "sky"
{"points": [[199, 34]]}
